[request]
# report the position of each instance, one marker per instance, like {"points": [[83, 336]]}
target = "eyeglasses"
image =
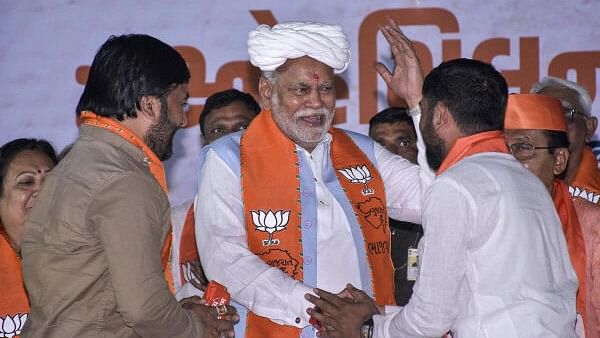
{"points": [[525, 151], [570, 114]]}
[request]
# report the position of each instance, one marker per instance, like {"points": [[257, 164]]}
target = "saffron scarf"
{"points": [[586, 183], [14, 303], [489, 141], [270, 180], [156, 169], [573, 235]]}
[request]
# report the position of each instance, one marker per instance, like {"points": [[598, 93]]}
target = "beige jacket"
{"points": [[91, 253]]}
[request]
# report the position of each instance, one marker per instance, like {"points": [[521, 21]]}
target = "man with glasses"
{"points": [[582, 172], [394, 129], [536, 133]]}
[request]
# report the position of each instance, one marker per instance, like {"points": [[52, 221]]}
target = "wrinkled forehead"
{"points": [[568, 97], [536, 136], [305, 69]]}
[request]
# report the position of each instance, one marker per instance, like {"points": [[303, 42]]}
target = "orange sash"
{"points": [[587, 177], [573, 235], [188, 251], [270, 181], [489, 141], [156, 169], [14, 303]]}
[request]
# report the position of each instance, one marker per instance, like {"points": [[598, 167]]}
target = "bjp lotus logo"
{"points": [[270, 222], [359, 174], [12, 326]]}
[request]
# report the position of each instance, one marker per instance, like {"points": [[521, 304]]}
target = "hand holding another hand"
{"points": [[342, 315], [216, 325]]}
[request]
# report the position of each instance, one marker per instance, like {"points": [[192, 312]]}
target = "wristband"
{"points": [[367, 329]]}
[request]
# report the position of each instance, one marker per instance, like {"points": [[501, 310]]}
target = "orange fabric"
{"points": [[588, 215], [188, 251], [270, 183], [573, 235], [489, 141], [156, 169], [13, 297], [534, 111], [587, 177]]}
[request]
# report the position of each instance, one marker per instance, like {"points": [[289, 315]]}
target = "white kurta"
{"points": [[494, 261], [265, 290]]}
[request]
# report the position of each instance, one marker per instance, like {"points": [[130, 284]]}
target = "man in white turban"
{"points": [[291, 203]]}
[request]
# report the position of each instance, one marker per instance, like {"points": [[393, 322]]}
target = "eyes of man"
{"points": [[304, 89], [221, 130]]}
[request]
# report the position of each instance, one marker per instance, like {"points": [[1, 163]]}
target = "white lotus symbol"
{"points": [[11, 326], [270, 222], [359, 174]]}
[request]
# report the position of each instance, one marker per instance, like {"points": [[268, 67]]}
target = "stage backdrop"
{"points": [[47, 47]]}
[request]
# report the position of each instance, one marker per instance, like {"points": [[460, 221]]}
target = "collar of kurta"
{"points": [[489, 141]]}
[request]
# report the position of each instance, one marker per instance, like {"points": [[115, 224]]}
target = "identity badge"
{"points": [[412, 264]]}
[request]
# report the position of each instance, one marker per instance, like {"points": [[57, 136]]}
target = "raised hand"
{"points": [[406, 80]]}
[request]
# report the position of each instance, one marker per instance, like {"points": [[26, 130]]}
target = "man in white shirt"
{"points": [[292, 204], [494, 261]]}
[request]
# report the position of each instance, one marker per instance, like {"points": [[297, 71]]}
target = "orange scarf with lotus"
{"points": [[271, 193], [14, 302]]}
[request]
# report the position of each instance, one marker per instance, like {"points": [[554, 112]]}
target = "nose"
{"points": [[314, 99], [184, 120]]}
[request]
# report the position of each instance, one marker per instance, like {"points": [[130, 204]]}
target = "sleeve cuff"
{"points": [[298, 305], [414, 111]]}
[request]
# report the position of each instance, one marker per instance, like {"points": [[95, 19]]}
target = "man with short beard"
{"points": [[494, 262], [92, 258], [293, 203]]}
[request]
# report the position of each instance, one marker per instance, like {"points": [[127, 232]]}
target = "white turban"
{"points": [[269, 47]]}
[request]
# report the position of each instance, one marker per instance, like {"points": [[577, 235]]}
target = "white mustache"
{"points": [[312, 112]]}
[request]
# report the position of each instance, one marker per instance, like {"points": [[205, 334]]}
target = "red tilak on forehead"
{"points": [[316, 78]]}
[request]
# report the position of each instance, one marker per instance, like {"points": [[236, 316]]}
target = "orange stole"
{"points": [[588, 175], [573, 235], [270, 181], [156, 169], [188, 251], [489, 141], [13, 297]]}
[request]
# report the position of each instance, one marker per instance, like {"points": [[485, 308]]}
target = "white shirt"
{"points": [[494, 261], [267, 291]]}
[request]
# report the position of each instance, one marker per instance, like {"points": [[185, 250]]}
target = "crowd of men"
{"points": [[468, 213]]}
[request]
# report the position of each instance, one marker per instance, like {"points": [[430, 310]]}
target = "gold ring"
{"points": [[221, 310]]}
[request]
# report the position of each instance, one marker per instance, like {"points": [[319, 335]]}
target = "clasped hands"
{"points": [[217, 321], [341, 315]]}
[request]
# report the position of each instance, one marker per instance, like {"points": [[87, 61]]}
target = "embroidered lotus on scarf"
{"points": [[270, 222], [359, 174], [12, 326]]}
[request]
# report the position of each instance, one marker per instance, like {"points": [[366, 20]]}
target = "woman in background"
{"points": [[23, 165]]}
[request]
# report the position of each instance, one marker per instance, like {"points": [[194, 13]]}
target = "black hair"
{"points": [[125, 69], [390, 115], [225, 98], [10, 150], [474, 92], [556, 139]]}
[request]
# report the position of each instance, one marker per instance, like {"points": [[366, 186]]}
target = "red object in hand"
{"points": [[216, 294]]}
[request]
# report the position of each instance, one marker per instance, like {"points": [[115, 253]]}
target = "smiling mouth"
{"points": [[313, 121]]}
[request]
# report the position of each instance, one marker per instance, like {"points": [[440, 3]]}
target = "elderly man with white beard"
{"points": [[292, 203]]}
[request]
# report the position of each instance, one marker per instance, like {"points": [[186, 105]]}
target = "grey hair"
{"points": [[270, 76], [554, 82]]}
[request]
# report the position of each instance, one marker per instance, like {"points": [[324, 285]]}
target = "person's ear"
{"points": [[150, 108], [441, 116], [561, 158], [265, 90], [591, 123]]}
